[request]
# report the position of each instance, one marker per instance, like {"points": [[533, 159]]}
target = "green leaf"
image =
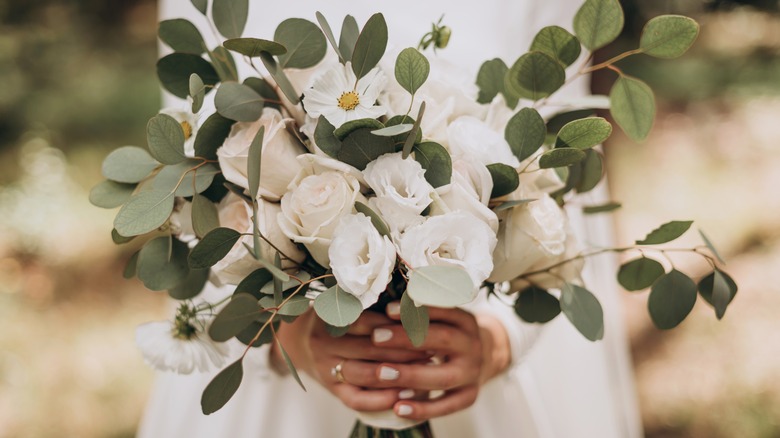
{"points": [[668, 36], [560, 120], [671, 299], [558, 43], [325, 26], [274, 270], [128, 164], [525, 132], [191, 286], [436, 161], [604, 208], [402, 120], [395, 130], [336, 332], [248, 334], [584, 311], [353, 125], [370, 45], [174, 72], [325, 138], [411, 69], [598, 23], [584, 133], [182, 36], [305, 43], [201, 5], [361, 147], [131, 268], [337, 307], [640, 273], [204, 216], [441, 286], [230, 16], [197, 92], [711, 247], [490, 80], [560, 158], [349, 36], [238, 313], [286, 287], [376, 220], [144, 212], [295, 306], [253, 47], [254, 282], [211, 136], [535, 304], [505, 179], [591, 171], [187, 178], [110, 194], [281, 79], [238, 102], [534, 76], [633, 107], [213, 247], [289, 364], [162, 263], [254, 160], [414, 133], [224, 64], [264, 89], [666, 233], [222, 387], [166, 139], [120, 239], [718, 289], [415, 320]]}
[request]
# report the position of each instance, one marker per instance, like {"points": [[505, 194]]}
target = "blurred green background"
{"points": [[76, 81]]}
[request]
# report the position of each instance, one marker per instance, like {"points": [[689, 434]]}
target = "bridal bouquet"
{"points": [[341, 177]]}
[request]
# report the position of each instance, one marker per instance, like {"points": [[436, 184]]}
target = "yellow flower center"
{"points": [[349, 100], [187, 128]]}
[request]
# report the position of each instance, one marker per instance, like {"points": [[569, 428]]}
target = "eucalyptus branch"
{"points": [[608, 63]]}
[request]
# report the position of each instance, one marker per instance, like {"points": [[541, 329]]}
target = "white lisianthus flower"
{"points": [[236, 213], [189, 125], [453, 239], [361, 258], [338, 96], [469, 191], [528, 235], [280, 150], [180, 347], [470, 136], [402, 192]]}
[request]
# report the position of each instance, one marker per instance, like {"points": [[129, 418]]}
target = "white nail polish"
{"points": [[394, 308], [387, 373], [406, 394], [404, 410], [382, 335]]}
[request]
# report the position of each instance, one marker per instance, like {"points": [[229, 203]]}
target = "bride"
{"points": [[504, 378]]}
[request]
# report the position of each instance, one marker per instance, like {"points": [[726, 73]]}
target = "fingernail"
{"points": [[404, 410], [387, 373], [406, 394], [382, 335], [394, 308]]}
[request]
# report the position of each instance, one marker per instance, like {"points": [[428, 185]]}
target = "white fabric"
{"points": [[564, 387]]}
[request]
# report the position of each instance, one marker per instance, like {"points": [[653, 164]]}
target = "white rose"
{"points": [[467, 135], [556, 278], [361, 258], [280, 149], [236, 213], [529, 234], [453, 239], [498, 114], [402, 192], [312, 208], [469, 191], [189, 125]]}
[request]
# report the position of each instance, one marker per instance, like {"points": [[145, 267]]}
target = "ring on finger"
{"points": [[336, 371]]}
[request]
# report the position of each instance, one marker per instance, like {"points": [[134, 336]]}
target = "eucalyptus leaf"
{"points": [[128, 164], [584, 311], [440, 286], [254, 161], [361, 147], [253, 47], [238, 313], [668, 36], [633, 107], [711, 247], [376, 220], [325, 138], [205, 216], [162, 263], [490, 80], [131, 268], [535, 75], [326, 29], [294, 306], [120, 239], [671, 299], [353, 125], [598, 23], [436, 161], [213, 247], [392, 131], [223, 386], [212, 135], [110, 194], [290, 365], [535, 304], [505, 179], [415, 320], [592, 170], [584, 133], [414, 133], [560, 157], [370, 45], [191, 286], [337, 307], [174, 72], [411, 69], [348, 38], [186, 178], [305, 43], [718, 289], [224, 64], [277, 73], [558, 43], [639, 274], [525, 132], [201, 5], [144, 212], [197, 92], [274, 270], [403, 120], [666, 233], [238, 102], [166, 139], [248, 335], [603, 208], [254, 282], [230, 16], [182, 36], [265, 90], [559, 120]]}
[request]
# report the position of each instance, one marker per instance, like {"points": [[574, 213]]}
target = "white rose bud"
{"points": [[361, 258], [280, 150], [402, 192], [468, 191], [453, 239], [236, 213], [472, 137]]}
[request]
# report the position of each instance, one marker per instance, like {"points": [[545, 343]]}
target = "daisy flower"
{"points": [[339, 97]]}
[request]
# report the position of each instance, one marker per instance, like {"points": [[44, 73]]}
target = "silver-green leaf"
{"points": [[441, 286], [337, 307], [222, 388], [238, 313], [584, 133], [558, 43], [110, 194], [598, 23], [128, 164], [166, 139], [230, 16], [668, 36], [182, 36], [305, 43], [560, 157], [144, 212], [213, 247], [525, 132], [671, 299], [535, 75], [238, 102], [633, 107], [411, 69], [415, 320], [205, 216], [370, 45], [584, 311], [666, 233], [640, 273], [253, 47]]}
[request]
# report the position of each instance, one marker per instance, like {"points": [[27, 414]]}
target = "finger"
{"points": [[366, 374], [451, 402], [440, 337], [361, 347], [364, 400], [457, 317], [458, 372], [393, 310], [366, 323]]}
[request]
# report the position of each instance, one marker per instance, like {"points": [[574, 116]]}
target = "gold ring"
{"points": [[335, 372]]}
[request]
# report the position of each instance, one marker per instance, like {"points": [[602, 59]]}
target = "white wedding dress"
{"points": [[563, 387]]}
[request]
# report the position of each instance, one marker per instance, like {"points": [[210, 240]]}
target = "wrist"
{"points": [[496, 350]]}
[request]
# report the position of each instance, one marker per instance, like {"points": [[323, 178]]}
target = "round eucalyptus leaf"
{"points": [[205, 216], [128, 164], [325, 138], [361, 147], [505, 179], [350, 31], [534, 76], [238, 102], [144, 212], [306, 45], [584, 133], [131, 268], [222, 387], [120, 239], [110, 194], [640, 273], [666, 233], [212, 135], [162, 263], [224, 64], [353, 125], [174, 72], [441, 286], [490, 80], [230, 16], [182, 36], [238, 313], [191, 286], [668, 36], [718, 289], [598, 23], [560, 157], [633, 107], [584, 311], [337, 307], [376, 220], [197, 92], [370, 45], [186, 178], [535, 304], [671, 299], [166, 139], [254, 282], [253, 47], [265, 90], [525, 132], [213, 247], [201, 5], [436, 161], [592, 170], [411, 69], [558, 43], [415, 320], [248, 334]]}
